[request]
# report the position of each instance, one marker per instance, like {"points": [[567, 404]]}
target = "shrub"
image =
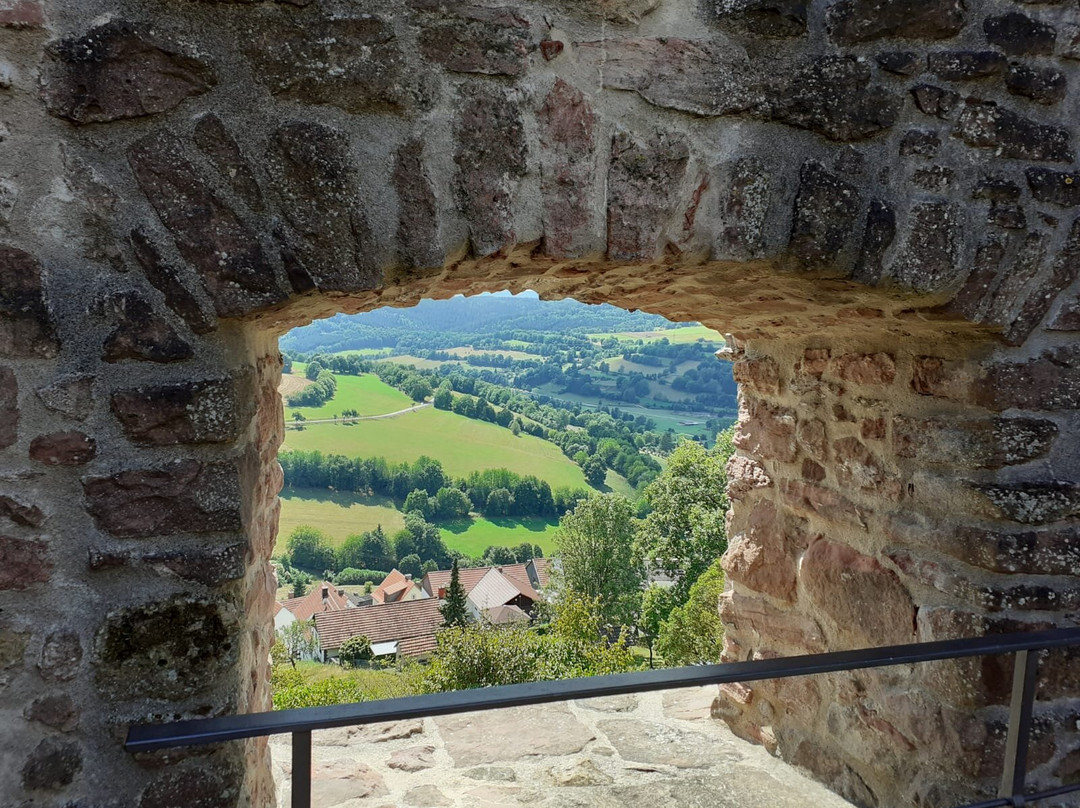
{"points": [[353, 576]]}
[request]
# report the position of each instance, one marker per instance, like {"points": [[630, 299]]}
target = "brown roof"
{"points": [[312, 603], [412, 624], [517, 574], [378, 594]]}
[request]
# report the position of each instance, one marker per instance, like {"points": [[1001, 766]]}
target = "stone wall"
{"points": [[877, 200]]}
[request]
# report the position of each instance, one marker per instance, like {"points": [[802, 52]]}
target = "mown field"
{"points": [[366, 394], [341, 515], [461, 444], [676, 336]]}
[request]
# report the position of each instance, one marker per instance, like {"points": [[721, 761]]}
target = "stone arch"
{"points": [[897, 267]]}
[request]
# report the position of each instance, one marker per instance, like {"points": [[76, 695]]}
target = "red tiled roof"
{"points": [[412, 624], [517, 574], [378, 594], [312, 603]]}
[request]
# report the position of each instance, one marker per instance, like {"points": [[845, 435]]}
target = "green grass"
{"points": [[676, 336], [461, 444], [474, 536], [341, 515], [366, 394], [619, 365], [417, 362], [615, 482], [337, 514], [365, 352]]}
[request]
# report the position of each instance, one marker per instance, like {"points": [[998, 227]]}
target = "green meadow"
{"points": [[461, 444], [366, 394], [676, 336]]}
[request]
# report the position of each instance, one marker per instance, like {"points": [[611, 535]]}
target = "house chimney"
{"points": [[325, 592], [408, 576], [442, 593]]}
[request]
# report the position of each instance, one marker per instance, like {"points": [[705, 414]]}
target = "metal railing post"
{"points": [[301, 769], [1020, 710]]}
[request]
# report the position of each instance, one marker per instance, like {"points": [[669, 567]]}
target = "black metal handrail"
{"points": [[302, 722]]}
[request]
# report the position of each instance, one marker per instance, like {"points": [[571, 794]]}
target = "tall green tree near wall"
{"points": [[455, 610]]}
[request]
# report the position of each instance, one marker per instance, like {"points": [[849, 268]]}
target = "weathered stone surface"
{"points": [[965, 65], [985, 125], [1059, 187], [935, 101], [316, 189], [512, 734], [820, 501], [418, 216], [771, 18], [763, 557], [344, 782], [920, 143], [928, 256], [208, 233], [658, 745], [20, 513], [688, 75], [866, 601], [61, 656], [643, 183], [611, 704], [985, 443], [56, 710], [1032, 503], [119, 70], [168, 279], [171, 649], [141, 334], [746, 186], [22, 14], [767, 431], [626, 12], [1063, 270], [207, 786], [472, 39], [352, 61], [865, 369], [834, 97], [902, 63], [412, 759], [491, 158], [53, 764], [1048, 382], [858, 467], [26, 329], [23, 563], [218, 144], [63, 449], [69, 395], [761, 375], [851, 21], [825, 211], [567, 171], [745, 475], [1019, 35], [210, 566], [426, 796], [551, 48], [769, 628], [9, 408], [186, 497], [1043, 85]]}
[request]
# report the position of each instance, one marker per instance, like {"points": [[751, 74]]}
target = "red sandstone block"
{"points": [[21, 14], [63, 449], [867, 369]]}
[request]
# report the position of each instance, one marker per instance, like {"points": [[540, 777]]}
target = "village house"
{"points": [[405, 629]]}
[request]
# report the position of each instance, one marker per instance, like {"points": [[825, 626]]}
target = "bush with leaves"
{"points": [[355, 650], [693, 632], [355, 577], [298, 639], [309, 548]]}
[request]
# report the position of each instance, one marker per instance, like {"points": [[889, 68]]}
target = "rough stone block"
{"points": [[55, 710], [568, 166], [824, 216], [934, 376], [624, 12], [1048, 382], [61, 656], [218, 144], [213, 411], [53, 764], [472, 39], [865, 600], [63, 449], [920, 143], [23, 563], [763, 557], [292, 55], [1032, 502], [20, 513], [858, 467], [170, 649], [745, 475], [9, 408], [935, 101], [965, 65], [208, 233], [772, 18], [418, 223], [985, 125], [1019, 35], [330, 243], [981, 443], [851, 21], [71, 395], [747, 196], [489, 167], [1043, 85], [119, 70], [812, 438], [210, 566], [216, 785], [26, 328], [186, 497], [1059, 187], [901, 63], [168, 279], [865, 369], [928, 257], [767, 432], [643, 184], [761, 375], [817, 500], [141, 334], [22, 14], [1040, 296], [768, 628]]}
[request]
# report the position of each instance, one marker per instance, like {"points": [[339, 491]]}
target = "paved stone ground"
{"points": [[603, 753]]}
